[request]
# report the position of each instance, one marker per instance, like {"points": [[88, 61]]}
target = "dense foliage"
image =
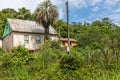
{"points": [[50, 63], [96, 57]]}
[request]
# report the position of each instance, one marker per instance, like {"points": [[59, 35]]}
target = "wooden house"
{"points": [[24, 32]]}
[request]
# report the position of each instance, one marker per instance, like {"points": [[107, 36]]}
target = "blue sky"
{"points": [[79, 10]]}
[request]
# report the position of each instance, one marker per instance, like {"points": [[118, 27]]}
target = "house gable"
{"points": [[7, 30]]}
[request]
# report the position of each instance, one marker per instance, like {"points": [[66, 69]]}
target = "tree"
{"points": [[97, 23], [46, 13], [107, 22], [4, 14], [24, 13], [74, 24], [86, 23], [8, 10]]}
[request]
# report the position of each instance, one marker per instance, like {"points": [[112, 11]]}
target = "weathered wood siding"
{"points": [[18, 39], [8, 42]]}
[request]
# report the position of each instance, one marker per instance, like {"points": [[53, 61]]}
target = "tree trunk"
{"points": [[46, 33]]}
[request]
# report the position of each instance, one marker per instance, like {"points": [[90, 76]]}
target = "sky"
{"points": [[79, 10]]}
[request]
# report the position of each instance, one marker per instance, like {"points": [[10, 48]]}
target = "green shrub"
{"points": [[19, 57], [2, 51], [49, 63], [20, 49], [69, 62], [55, 45]]}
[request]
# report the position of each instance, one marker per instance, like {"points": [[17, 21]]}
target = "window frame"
{"points": [[38, 39], [26, 39]]}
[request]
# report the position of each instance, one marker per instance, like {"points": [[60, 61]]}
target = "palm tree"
{"points": [[24, 13], [46, 13]]}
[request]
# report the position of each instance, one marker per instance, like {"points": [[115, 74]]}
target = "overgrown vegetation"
{"points": [[50, 63]]}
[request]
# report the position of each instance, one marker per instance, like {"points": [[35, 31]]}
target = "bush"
{"points": [[20, 49], [48, 54], [19, 57], [52, 64], [55, 45], [2, 51], [69, 62]]}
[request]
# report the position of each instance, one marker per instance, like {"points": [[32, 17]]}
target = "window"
{"points": [[38, 39], [26, 38]]}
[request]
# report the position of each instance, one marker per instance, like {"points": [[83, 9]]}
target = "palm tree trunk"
{"points": [[46, 33]]}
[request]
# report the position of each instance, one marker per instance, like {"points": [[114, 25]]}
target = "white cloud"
{"points": [[78, 3], [61, 13], [110, 3], [115, 18], [94, 2], [117, 10], [12, 4], [58, 2], [96, 8]]}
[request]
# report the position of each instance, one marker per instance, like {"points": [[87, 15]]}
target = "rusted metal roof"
{"points": [[28, 26], [66, 39]]}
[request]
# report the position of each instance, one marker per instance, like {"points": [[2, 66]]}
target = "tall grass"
{"points": [[50, 63]]}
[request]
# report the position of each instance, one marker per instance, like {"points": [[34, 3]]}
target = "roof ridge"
{"points": [[20, 19]]}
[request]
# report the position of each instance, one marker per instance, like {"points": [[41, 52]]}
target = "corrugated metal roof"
{"points": [[28, 26]]}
